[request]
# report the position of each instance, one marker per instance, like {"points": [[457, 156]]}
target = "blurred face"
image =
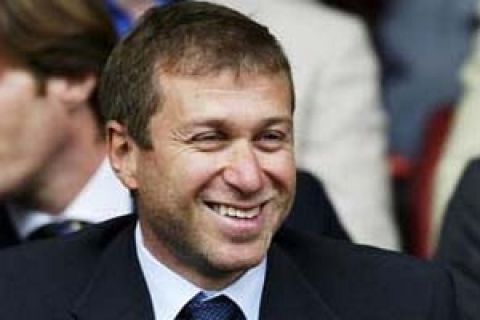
{"points": [[221, 176], [30, 129]]}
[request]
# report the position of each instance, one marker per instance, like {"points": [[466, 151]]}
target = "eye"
{"points": [[209, 140], [271, 140]]}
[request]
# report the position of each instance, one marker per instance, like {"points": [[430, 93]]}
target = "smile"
{"points": [[232, 212]]}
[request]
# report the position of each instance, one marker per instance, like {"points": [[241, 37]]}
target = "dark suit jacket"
{"points": [[95, 275], [312, 212], [459, 245]]}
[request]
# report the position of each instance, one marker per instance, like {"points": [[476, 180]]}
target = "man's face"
{"points": [[221, 176], [30, 129]]}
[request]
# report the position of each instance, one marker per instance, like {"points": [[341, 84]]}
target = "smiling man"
{"points": [[221, 154], [198, 102]]}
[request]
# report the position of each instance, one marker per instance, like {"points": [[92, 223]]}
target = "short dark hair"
{"points": [[188, 39], [66, 38]]}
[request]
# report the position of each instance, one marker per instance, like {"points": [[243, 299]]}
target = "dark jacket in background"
{"points": [[312, 210]]}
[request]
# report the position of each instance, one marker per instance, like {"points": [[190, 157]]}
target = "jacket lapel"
{"points": [[117, 290], [287, 294]]}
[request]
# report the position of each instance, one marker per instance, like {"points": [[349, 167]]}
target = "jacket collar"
{"points": [[289, 295], [117, 289]]}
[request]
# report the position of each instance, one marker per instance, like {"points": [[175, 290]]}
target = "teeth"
{"points": [[227, 211]]}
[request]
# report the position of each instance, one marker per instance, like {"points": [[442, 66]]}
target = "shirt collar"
{"points": [[245, 292], [102, 198]]}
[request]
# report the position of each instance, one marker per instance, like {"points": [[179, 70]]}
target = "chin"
{"points": [[239, 258], [228, 270]]}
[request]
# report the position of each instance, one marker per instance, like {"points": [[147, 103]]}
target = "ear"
{"points": [[122, 152], [72, 92]]}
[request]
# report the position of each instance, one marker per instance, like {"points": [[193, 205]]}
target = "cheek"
{"points": [[10, 129], [281, 168], [27, 123], [173, 177], [13, 112], [195, 169], [51, 136], [17, 92], [22, 135]]}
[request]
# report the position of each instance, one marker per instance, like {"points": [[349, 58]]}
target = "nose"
{"points": [[244, 172]]}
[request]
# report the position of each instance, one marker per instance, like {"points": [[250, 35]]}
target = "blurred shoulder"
{"points": [[56, 258]]}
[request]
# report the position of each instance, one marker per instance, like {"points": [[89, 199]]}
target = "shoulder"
{"points": [[55, 270], [326, 253], [351, 277], [88, 242], [82, 246]]}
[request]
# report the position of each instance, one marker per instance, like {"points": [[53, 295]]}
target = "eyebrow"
{"points": [[222, 122]]}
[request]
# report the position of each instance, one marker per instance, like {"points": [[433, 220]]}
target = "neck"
{"points": [[205, 277]]}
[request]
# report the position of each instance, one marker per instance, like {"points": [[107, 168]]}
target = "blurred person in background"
{"points": [[455, 232], [421, 46], [463, 140], [52, 148]]}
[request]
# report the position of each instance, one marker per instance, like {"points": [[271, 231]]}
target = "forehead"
{"points": [[226, 89]]}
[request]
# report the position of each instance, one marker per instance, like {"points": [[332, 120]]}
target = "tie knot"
{"points": [[57, 229], [218, 308]]}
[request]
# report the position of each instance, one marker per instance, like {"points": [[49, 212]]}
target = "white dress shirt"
{"points": [[170, 292], [102, 198]]}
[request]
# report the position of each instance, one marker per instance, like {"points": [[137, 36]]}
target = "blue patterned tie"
{"points": [[218, 308]]}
